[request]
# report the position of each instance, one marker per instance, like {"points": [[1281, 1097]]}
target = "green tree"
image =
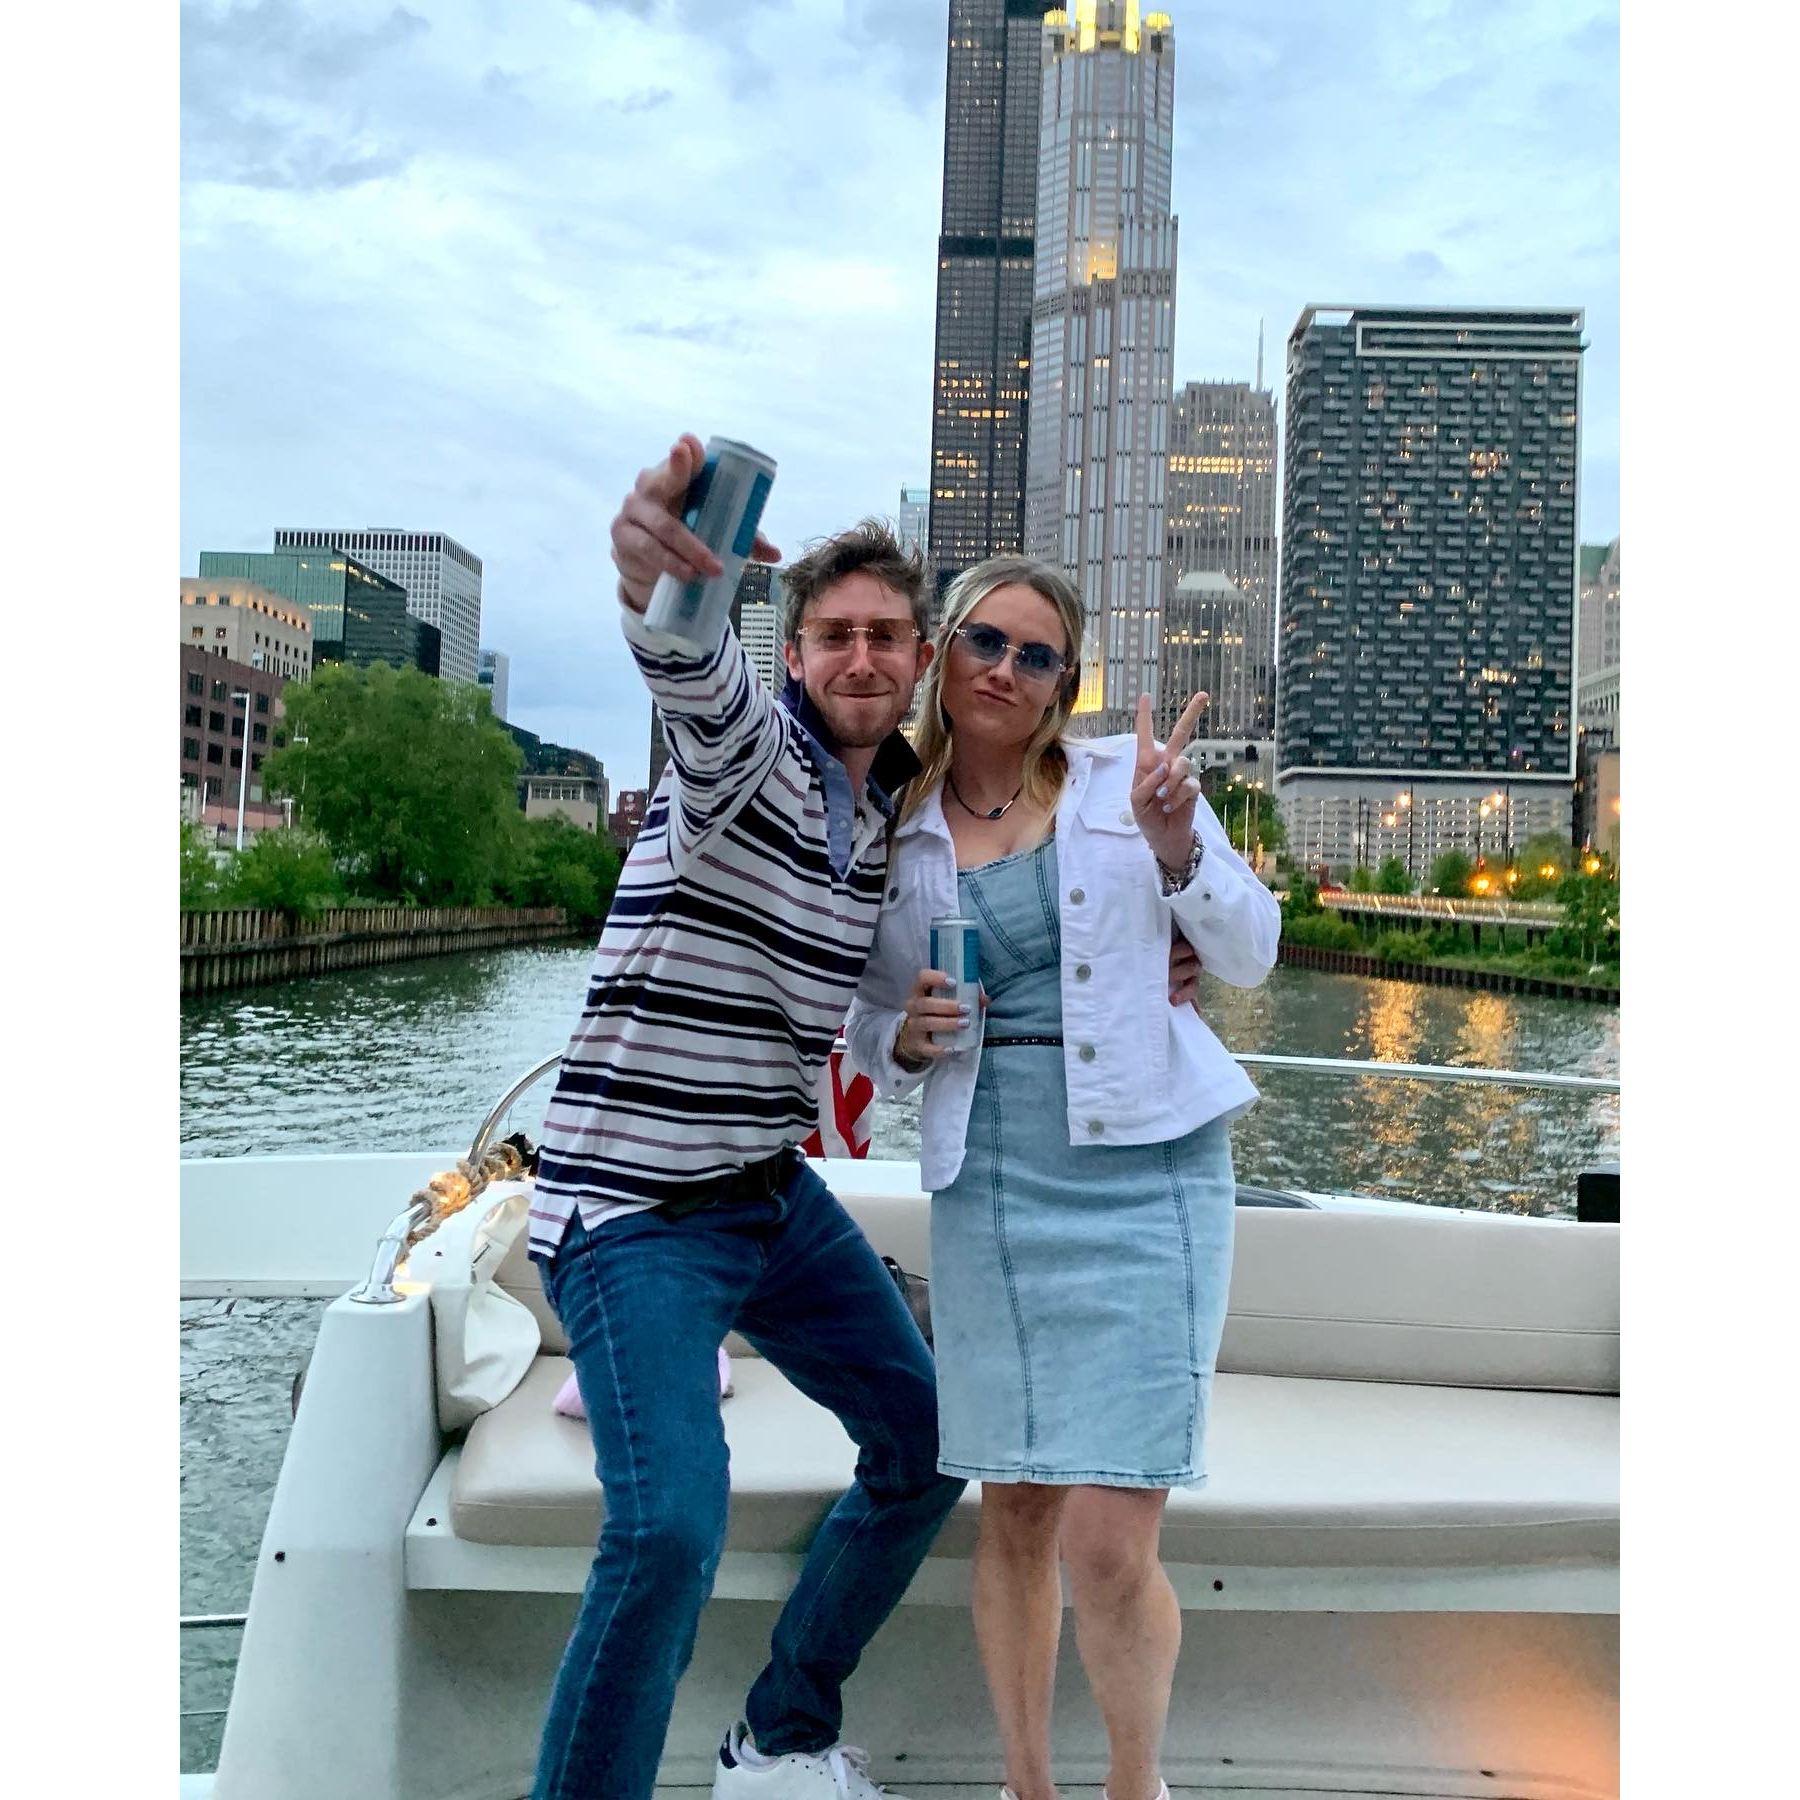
{"points": [[562, 865], [1542, 862], [1450, 874], [287, 871], [200, 873], [1392, 878], [1250, 817], [1362, 880], [1590, 906], [410, 781], [1302, 899]]}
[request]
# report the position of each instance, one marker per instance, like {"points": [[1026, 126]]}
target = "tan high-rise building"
{"points": [[1103, 330], [1220, 519], [245, 622], [1597, 622]]}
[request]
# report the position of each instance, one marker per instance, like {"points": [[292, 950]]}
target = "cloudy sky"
{"points": [[466, 265]]}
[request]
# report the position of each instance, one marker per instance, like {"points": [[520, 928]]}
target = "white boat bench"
{"points": [[1413, 1412]]}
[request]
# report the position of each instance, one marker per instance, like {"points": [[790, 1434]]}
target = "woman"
{"points": [[1078, 1162]]}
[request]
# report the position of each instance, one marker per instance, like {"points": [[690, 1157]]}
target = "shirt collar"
{"points": [[894, 765]]}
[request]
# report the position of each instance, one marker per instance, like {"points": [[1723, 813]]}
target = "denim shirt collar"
{"points": [[894, 766]]}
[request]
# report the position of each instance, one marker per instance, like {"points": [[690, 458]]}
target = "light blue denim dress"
{"points": [[1077, 1291]]}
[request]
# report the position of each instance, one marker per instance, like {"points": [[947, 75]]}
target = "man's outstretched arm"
{"points": [[718, 718]]}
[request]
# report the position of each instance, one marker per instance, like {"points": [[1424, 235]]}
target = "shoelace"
{"points": [[844, 1760]]}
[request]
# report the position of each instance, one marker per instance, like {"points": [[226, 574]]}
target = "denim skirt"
{"points": [[1077, 1291]]}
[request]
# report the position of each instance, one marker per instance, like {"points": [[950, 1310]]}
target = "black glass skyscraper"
{"points": [[1429, 564], [980, 389]]}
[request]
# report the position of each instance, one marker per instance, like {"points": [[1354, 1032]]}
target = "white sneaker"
{"points": [[840, 1773]]}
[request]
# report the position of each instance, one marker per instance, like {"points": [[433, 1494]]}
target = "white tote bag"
{"points": [[485, 1339]]}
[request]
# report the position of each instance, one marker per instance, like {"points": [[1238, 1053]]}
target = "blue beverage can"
{"points": [[724, 508], [956, 952]]}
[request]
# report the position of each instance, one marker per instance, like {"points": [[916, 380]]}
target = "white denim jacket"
{"points": [[1139, 1071]]}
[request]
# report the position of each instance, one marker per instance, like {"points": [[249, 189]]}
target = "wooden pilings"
{"points": [[241, 946]]}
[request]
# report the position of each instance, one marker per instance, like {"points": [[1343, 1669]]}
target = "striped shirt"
{"points": [[736, 939]]}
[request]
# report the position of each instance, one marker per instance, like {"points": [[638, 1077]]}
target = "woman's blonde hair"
{"points": [[1045, 763]]}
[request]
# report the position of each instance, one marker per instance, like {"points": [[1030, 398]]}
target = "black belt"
{"points": [[1005, 1043], [755, 1181]]}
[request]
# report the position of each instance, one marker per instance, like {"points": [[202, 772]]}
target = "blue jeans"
{"points": [[645, 1301]]}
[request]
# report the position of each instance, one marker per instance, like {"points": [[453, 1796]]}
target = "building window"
{"points": [[214, 754], [190, 749], [237, 759], [215, 721], [260, 733], [191, 716], [262, 702], [255, 762], [218, 690], [237, 725], [196, 684]]}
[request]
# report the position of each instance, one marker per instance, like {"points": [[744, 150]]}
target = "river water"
{"points": [[410, 1056]]}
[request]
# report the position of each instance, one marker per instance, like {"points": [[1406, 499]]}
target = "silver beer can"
{"points": [[956, 952], [724, 508]]}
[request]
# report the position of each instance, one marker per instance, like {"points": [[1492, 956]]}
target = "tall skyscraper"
{"points": [[495, 668], [983, 352], [441, 578], [760, 633], [1103, 331], [1428, 584], [913, 524], [1597, 632], [1208, 647], [1220, 519]]}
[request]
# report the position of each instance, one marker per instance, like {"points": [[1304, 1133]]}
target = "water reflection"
{"points": [[413, 1054]]}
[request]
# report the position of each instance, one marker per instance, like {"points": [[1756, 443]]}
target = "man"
{"points": [[670, 1206]]}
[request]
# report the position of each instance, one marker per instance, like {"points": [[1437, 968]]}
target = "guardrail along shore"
{"points": [[238, 947]]}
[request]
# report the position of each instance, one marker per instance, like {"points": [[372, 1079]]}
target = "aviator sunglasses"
{"points": [[988, 644]]}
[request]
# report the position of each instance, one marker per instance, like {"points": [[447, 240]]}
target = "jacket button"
{"points": [[1087, 1053], [893, 893], [1125, 816], [1095, 1127], [1076, 896], [1206, 896], [1082, 971]]}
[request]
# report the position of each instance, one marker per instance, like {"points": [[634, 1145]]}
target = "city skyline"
{"points": [[403, 300]]}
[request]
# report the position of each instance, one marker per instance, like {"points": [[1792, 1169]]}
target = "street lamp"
{"points": [[243, 762]]}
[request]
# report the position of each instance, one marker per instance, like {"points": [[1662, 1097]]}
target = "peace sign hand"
{"points": [[1164, 788]]}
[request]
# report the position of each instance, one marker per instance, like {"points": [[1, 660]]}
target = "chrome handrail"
{"points": [[1347, 1066], [379, 1289], [485, 1131], [427, 1210]]}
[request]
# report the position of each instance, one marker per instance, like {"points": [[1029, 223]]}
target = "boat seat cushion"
{"points": [[1308, 1472], [1462, 1299]]}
